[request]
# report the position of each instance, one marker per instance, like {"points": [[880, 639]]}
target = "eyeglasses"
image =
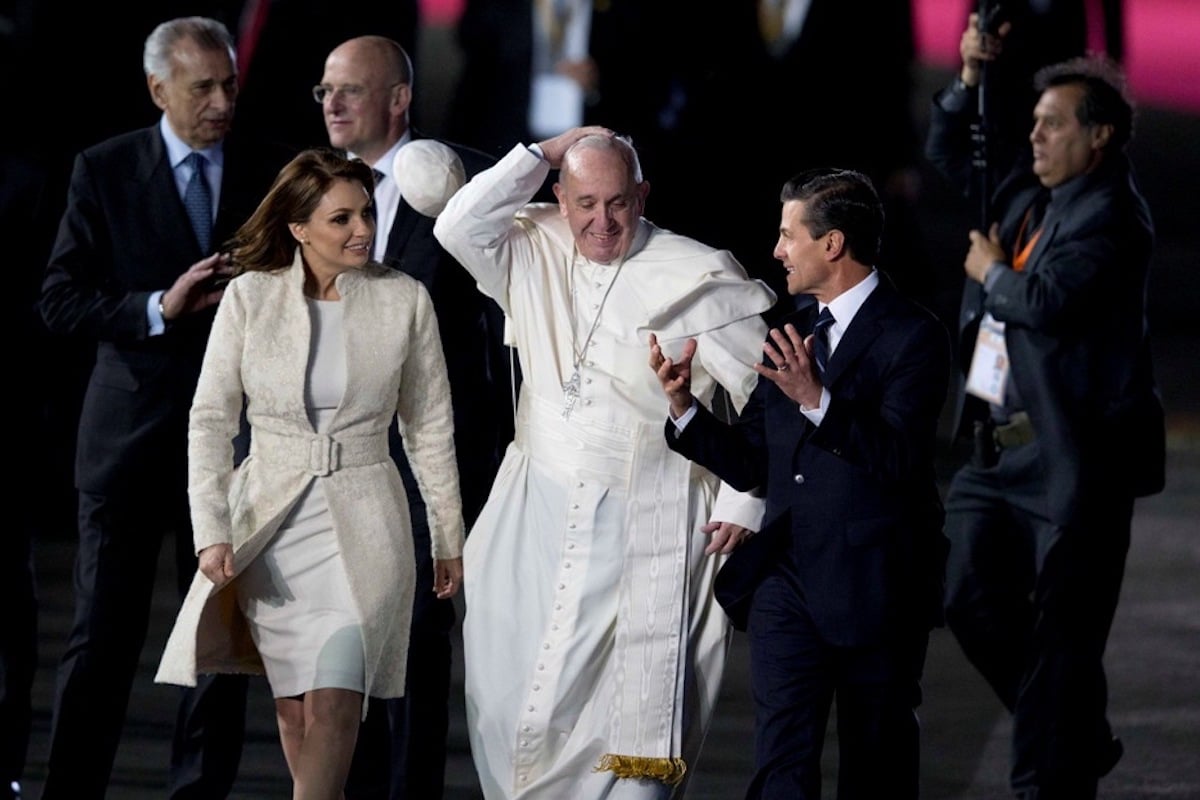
{"points": [[350, 92]]}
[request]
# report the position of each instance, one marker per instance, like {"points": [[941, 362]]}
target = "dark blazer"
{"points": [[124, 235], [853, 503], [1075, 322], [472, 331]]}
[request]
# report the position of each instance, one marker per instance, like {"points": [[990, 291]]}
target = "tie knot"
{"points": [[196, 160], [824, 320], [379, 176]]}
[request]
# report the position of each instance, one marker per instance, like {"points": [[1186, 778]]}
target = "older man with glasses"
{"points": [[365, 95]]}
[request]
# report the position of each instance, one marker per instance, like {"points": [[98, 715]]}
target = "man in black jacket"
{"points": [[840, 588], [132, 270], [1057, 389]]}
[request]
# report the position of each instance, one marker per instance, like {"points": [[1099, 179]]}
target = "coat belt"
{"points": [[318, 454]]}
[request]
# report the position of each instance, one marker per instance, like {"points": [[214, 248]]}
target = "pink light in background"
{"points": [[440, 12], [1161, 57], [937, 25]]}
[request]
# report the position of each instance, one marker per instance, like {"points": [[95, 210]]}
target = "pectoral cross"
{"points": [[570, 393]]}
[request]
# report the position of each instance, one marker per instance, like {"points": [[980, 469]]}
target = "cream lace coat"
{"points": [[259, 347]]}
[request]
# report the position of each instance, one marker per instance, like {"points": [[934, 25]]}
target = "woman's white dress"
{"points": [[296, 595]]}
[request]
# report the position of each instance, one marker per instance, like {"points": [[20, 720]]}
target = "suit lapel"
{"points": [[864, 329], [154, 186], [1049, 228], [403, 226]]}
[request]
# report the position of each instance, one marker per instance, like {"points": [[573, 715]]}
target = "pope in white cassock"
{"points": [[592, 643]]}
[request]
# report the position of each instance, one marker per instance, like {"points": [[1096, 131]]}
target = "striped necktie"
{"points": [[821, 341]]}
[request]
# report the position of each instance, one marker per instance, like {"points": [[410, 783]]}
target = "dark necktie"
{"points": [[821, 341], [197, 199], [379, 176]]}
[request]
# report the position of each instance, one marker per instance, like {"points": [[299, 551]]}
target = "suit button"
{"points": [[798, 478]]}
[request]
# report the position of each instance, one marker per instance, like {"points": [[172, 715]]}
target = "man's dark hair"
{"points": [[841, 199], [1106, 98]]}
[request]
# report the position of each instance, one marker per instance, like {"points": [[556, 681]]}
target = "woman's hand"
{"points": [[216, 562], [447, 576]]}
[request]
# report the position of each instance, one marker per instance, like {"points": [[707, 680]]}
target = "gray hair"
{"points": [[621, 145], [160, 44]]}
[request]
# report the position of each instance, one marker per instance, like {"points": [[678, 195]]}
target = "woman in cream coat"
{"points": [[306, 558]]}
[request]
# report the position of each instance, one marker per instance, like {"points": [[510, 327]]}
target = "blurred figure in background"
{"points": [[714, 128], [1057, 392], [534, 68]]}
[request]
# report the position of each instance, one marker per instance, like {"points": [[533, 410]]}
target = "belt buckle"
{"points": [[324, 455]]}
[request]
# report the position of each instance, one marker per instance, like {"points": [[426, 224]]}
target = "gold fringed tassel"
{"points": [[668, 770]]}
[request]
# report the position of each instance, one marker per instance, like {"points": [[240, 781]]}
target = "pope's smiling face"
{"points": [[601, 201]]}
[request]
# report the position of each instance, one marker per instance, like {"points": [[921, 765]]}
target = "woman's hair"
{"points": [[265, 242]]}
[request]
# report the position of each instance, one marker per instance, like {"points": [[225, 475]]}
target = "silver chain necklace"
{"points": [[571, 387]]}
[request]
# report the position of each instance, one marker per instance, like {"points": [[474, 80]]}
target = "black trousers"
{"points": [[1031, 603], [795, 678], [115, 571]]}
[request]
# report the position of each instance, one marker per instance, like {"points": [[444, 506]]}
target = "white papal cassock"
{"points": [[592, 643]]}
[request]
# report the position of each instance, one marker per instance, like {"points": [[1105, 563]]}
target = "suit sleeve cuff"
{"points": [[746, 509], [683, 420]]}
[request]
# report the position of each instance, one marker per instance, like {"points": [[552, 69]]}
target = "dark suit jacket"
{"points": [[124, 235], [1075, 322], [472, 331], [853, 504]]}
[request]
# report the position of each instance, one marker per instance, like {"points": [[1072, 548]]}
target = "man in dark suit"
{"points": [[134, 272], [840, 588], [365, 95], [1057, 390]]}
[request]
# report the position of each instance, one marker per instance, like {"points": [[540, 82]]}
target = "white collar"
{"points": [[846, 305], [178, 150]]}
